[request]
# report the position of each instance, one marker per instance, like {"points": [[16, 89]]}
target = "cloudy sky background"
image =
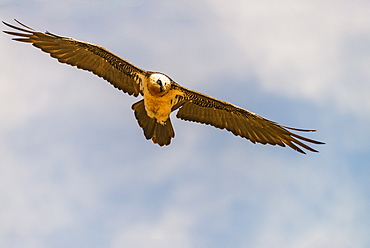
{"points": [[76, 170]]}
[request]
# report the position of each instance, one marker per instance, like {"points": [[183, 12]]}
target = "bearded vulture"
{"points": [[161, 95]]}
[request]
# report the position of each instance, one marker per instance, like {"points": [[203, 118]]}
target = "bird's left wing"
{"points": [[96, 59], [201, 108]]}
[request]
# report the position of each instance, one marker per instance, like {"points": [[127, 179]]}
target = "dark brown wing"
{"points": [[201, 108], [96, 59]]}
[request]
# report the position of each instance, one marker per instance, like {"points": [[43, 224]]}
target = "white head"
{"points": [[159, 84]]}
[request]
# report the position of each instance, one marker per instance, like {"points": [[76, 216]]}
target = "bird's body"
{"points": [[161, 95]]}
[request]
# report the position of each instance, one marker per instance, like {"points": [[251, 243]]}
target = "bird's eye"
{"points": [[159, 82]]}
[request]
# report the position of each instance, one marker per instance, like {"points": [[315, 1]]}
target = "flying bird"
{"points": [[161, 95]]}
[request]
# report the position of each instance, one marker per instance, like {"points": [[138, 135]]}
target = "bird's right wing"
{"points": [[96, 59], [198, 107]]}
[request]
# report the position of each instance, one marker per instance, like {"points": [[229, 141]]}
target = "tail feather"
{"points": [[160, 134]]}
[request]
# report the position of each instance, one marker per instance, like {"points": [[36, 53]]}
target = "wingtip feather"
{"points": [[24, 25]]}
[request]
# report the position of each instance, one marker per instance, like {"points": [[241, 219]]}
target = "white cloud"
{"points": [[299, 48], [170, 230]]}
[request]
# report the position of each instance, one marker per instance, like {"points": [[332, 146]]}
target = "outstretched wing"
{"points": [[96, 59], [201, 108]]}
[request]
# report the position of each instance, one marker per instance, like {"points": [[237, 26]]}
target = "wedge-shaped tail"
{"points": [[160, 134]]}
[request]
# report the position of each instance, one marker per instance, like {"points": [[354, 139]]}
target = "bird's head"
{"points": [[159, 84]]}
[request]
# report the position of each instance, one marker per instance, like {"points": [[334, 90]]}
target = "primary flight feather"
{"points": [[161, 95]]}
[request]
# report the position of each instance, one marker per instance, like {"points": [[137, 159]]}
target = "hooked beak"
{"points": [[161, 88]]}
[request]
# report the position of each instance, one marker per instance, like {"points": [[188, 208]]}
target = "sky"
{"points": [[77, 171]]}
